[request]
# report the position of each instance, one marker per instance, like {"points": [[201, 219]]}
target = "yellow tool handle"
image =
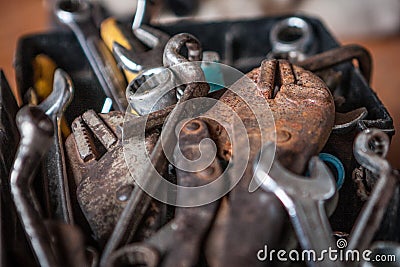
{"points": [[111, 33]]}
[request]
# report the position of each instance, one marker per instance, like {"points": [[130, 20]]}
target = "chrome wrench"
{"points": [[77, 16], [36, 131], [303, 198]]}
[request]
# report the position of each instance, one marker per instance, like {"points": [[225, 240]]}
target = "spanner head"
{"points": [[319, 186], [56, 103], [137, 61]]}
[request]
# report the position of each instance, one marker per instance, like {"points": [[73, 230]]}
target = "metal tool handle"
{"points": [[77, 16], [36, 131], [313, 232]]}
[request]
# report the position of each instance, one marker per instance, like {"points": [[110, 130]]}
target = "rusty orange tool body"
{"points": [[304, 112], [103, 182]]}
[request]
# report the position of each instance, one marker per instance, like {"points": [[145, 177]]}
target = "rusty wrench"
{"points": [[304, 200]]}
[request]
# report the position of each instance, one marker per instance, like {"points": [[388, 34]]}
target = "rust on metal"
{"points": [[105, 135], [330, 58], [303, 111], [104, 184]]}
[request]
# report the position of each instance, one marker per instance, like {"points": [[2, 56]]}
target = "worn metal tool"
{"points": [[292, 38], [333, 57], [103, 181], [304, 199], [370, 149], [138, 50], [137, 61], [139, 200], [36, 145], [77, 16], [303, 112], [146, 93], [54, 170], [189, 224], [36, 131]]}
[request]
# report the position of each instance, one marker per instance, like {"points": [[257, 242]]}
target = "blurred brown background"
{"points": [[373, 24]]}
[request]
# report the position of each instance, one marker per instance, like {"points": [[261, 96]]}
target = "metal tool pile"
{"points": [[303, 155]]}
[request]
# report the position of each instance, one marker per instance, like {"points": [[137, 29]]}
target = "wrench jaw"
{"points": [[278, 176], [61, 96], [304, 200], [370, 148], [137, 62]]}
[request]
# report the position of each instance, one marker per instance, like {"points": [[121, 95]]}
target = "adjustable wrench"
{"points": [[104, 184], [130, 53], [77, 16], [304, 199]]}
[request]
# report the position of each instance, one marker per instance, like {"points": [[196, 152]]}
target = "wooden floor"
{"points": [[19, 17]]}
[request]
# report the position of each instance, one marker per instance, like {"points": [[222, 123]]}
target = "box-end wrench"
{"points": [[370, 149], [77, 16], [36, 131], [303, 198], [54, 163]]}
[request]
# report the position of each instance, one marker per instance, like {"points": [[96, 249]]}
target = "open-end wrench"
{"points": [[134, 62], [138, 61], [54, 163], [303, 198], [77, 16], [370, 149], [36, 130], [139, 200]]}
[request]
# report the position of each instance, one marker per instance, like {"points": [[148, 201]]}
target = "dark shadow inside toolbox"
{"points": [[249, 46]]}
